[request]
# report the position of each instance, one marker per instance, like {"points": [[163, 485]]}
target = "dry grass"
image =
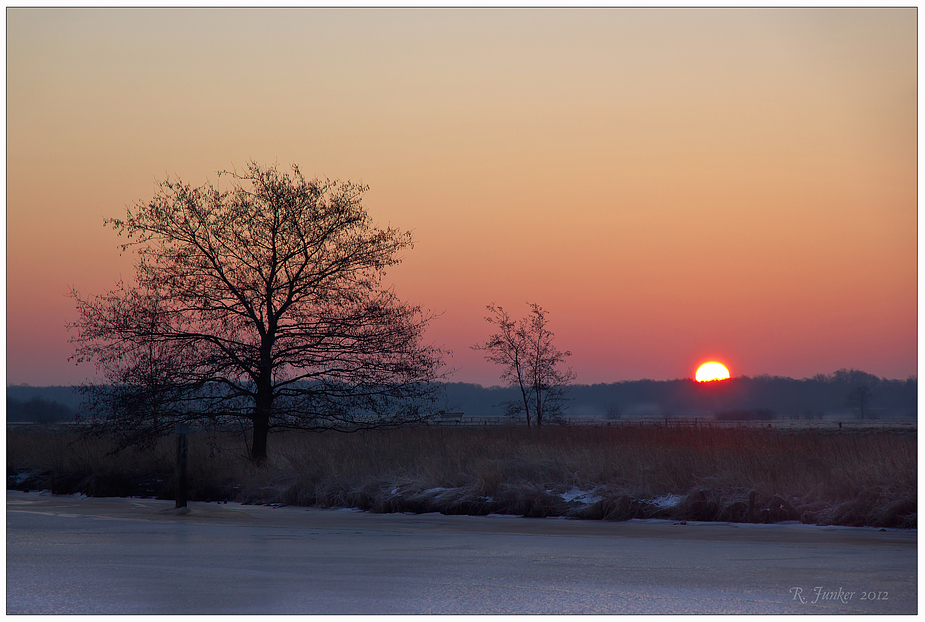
{"points": [[736, 474]]}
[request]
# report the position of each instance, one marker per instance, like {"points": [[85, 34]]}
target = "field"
{"points": [[822, 476]]}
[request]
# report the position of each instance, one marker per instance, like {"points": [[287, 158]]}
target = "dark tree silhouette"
{"points": [[260, 303], [37, 410], [612, 412], [526, 351], [859, 398]]}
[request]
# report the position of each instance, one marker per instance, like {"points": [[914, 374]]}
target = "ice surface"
{"points": [[132, 556]]}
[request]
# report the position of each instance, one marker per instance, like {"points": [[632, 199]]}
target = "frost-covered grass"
{"points": [[618, 472]]}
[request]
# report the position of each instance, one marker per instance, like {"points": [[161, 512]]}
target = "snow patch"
{"points": [[434, 492], [666, 501], [580, 496]]}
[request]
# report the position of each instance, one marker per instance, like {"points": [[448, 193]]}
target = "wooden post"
{"points": [[182, 430]]}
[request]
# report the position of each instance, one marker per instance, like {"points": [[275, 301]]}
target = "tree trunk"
{"points": [[261, 419], [523, 393], [259, 443], [263, 403]]}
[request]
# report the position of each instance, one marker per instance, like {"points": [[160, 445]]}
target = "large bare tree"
{"points": [[530, 361], [262, 303]]}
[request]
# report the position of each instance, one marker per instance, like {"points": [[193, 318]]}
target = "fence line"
{"points": [[685, 423], [670, 423]]}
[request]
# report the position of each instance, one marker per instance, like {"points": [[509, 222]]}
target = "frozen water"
{"points": [[133, 556]]}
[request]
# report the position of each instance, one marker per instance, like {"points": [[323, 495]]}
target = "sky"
{"points": [[671, 185]]}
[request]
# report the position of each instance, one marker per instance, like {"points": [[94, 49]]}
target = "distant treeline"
{"points": [[63, 395], [37, 410], [759, 398]]}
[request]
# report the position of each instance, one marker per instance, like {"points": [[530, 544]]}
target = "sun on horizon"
{"points": [[711, 371]]}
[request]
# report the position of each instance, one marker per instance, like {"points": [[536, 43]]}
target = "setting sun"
{"points": [[711, 371]]}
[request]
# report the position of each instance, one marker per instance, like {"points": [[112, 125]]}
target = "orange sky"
{"points": [[674, 186]]}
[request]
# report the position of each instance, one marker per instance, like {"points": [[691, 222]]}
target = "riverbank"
{"points": [[729, 474]]}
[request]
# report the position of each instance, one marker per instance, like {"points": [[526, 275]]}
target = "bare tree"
{"points": [[860, 398], [613, 412], [260, 303], [526, 351]]}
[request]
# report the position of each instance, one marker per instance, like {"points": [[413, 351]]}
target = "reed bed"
{"points": [[613, 473]]}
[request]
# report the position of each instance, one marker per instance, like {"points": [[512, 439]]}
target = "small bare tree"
{"points": [[260, 303], [860, 398], [525, 349], [613, 412]]}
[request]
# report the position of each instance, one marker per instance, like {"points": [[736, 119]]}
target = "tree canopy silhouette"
{"points": [[261, 303]]}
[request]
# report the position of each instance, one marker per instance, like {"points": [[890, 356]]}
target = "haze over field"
{"points": [[673, 186]]}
